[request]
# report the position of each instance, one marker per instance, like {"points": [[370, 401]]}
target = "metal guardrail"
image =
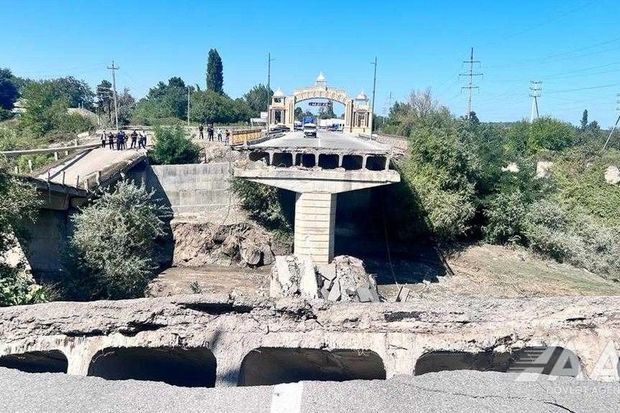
{"points": [[65, 149], [245, 136]]}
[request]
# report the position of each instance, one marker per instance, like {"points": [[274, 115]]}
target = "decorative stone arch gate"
{"points": [[357, 112]]}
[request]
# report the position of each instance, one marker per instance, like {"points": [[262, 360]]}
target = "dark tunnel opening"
{"points": [[352, 162], [436, 361], [282, 159], [53, 361], [376, 163], [259, 156], [187, 367], [308, 160], [328, 161], [554, 361], [269, 366]]}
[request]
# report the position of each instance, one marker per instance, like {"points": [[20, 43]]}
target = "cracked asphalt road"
{"points": [[462, 391]]}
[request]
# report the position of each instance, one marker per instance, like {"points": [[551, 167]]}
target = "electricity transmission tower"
{"points": [[535, 91], [114, 69], [471, 75], [617, 121]]}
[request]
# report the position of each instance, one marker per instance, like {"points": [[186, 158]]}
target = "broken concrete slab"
{"points": [[403, 294]]}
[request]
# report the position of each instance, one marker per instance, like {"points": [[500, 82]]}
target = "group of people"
{"points": [[119, 139], [212, 132]]}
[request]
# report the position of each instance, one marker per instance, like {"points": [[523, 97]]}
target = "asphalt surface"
{"points": [[86, 164], [324, 139], [462, 391]]}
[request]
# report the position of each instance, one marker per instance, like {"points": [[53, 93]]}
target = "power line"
{"points": [[114, 69], [470, 85], [535, 92]]}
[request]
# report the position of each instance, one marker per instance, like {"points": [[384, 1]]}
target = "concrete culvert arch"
{"points": [[53, 361], [269, 366], [553, 361], [187, 367], [436, 361]]}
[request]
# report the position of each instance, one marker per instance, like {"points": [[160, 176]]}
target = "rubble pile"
{"points": [[345, 279], [203, 243]]}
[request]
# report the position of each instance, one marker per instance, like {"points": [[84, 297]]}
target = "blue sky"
{"points": [[573, 46]]}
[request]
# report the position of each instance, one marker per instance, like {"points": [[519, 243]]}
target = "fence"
{"points": [[243, 136]]}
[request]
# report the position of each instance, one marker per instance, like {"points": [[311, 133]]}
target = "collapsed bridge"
{"points": [[211, 341]]}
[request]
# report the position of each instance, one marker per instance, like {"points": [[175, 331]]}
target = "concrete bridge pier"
{"points": [[315, 220]]}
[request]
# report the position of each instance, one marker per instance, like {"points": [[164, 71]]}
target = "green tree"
{"points": [[544, 134], [45, 105], [584, 120], [257, 99], [215, 72], [77, 92], [114, 243], [327, 112], [172, 146], [8, 89], [299, 114], [164, 101], [105, 98], [209, 106], [18, 202]]}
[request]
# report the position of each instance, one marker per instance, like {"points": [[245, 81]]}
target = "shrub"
{"points": [[113, 244], [573, 237], [74, 123], [173, 147], [263, 203], [505, 213], [580, 182], [17, 203]]}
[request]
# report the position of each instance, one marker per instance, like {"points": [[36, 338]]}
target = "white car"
{"points": [[310, 130]]}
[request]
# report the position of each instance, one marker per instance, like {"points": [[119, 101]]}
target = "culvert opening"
{"points": [[352, 162], [328, 161], [53, 361], [259, 156], [187, 367], [283, 159], [269, 366], [308, 160], [376, 163], [553, 361], [459, 360]]}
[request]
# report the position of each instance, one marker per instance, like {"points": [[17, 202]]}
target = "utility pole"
{"points": [[535, 91], [617, 121], [114, 69], [372, 104], [269, 60], [471, 74], [188, 93]]}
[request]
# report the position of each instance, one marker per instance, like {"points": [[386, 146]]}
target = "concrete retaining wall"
{"points": [[193, 188]]}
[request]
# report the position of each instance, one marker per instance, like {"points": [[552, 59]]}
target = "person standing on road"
{"points": [[227, 135], [104, 140], [134, 139], [111, 140], [219, 135], [142, 143], [210, 132], [201, 128]]}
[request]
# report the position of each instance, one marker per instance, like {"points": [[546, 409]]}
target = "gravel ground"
{"points": [[462, 391]]}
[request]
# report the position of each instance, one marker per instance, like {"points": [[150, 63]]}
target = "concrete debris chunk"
{"points": [[334, 293], [343, 280], [403, 294], [363, 293]]}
